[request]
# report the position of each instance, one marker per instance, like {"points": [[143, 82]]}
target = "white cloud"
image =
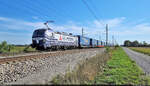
{"points": [[5, 19], [111, 22], [8, 24], [15, 24], [35, 17], [93, 29], [138, 32], [139, 29]]}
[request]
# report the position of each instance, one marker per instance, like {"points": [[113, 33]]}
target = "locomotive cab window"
{"points": [[39, 33]]}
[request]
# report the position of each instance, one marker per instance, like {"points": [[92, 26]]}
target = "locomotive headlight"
{"points": [[44, 40]]}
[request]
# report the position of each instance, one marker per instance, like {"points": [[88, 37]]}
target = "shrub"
{"points": [[4, 47]]}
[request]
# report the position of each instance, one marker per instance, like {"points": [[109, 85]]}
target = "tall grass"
{"points": [[85, 71]]}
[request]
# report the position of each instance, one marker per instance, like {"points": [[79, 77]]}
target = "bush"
{"points": [[116, 46], [26, 49], [4, 47], [107, 49]]}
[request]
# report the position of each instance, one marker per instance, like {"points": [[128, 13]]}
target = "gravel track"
{"points": [[141, 59], [19, 54], [46, 68], [22, 57]]}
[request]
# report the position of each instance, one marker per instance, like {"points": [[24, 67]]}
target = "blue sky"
{"points": [[127, 19]]}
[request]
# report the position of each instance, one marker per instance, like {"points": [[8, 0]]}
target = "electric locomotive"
{"points": [[49, 39]]}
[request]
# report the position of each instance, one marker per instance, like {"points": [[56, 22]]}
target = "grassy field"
{"points": [[145, 50], [9, 48], [121, 70], [18, 49]]}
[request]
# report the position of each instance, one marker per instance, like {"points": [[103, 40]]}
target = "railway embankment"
{"points": [[84, 72], [41, 68]]}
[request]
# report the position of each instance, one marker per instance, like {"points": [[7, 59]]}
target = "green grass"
{"points": [[19, 49], [145, 50], [121, 70], [11, 49]]}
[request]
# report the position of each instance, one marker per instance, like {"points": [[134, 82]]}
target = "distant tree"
{"points": [[140, 44], [144, 44], [127, 43], [135, 43]]}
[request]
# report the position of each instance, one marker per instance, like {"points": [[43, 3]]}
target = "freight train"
{"points": [[48, 39], [43, 39]]}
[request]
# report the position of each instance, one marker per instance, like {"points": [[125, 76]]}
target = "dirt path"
{"points": [[59, 65], [141, 59]]}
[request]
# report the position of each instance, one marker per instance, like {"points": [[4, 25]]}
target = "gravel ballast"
{"points": [[141, 59], [42, 70]]}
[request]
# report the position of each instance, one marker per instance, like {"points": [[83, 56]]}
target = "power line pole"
{"points": [[112, 40], [82, 32], [100, 36], [106, 34]]}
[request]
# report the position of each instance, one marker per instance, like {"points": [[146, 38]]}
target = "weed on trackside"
{"points": [[121, 70], [85, 71]]}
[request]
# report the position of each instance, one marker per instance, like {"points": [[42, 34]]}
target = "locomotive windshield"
{"points": [[39, 33]]}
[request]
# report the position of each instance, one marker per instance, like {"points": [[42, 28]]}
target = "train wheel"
{"points": [[39, 48], [65, 48]]}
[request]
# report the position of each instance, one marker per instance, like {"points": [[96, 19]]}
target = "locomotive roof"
{"points": [[41, 29], [63, 33]]}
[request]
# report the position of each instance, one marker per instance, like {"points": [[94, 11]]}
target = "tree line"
{"points": [[128, 43]]}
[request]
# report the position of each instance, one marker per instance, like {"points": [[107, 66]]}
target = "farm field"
{"points": [[145, 50], [120, 69], [18, 49]]}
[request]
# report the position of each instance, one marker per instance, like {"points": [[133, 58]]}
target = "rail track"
{"points": [[41, 66], [5, 55], [39, 54]]}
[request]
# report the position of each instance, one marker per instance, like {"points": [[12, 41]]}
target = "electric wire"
{"points": [[34, 6], [66, 12], [59, 14], [27, 11], [94, 7], [36, 11], [91, 11]]}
